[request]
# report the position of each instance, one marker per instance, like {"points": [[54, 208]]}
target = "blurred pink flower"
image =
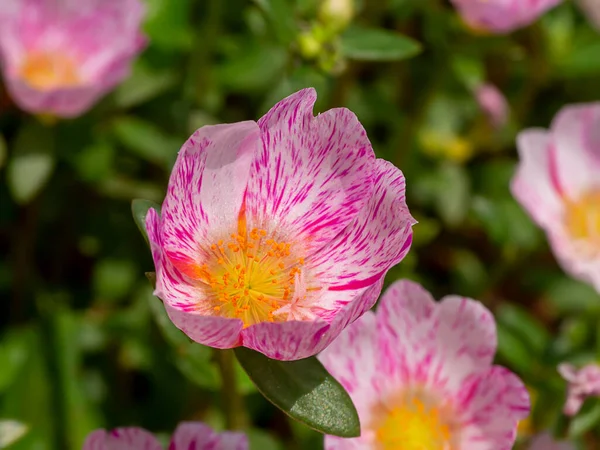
{"points": [[583, 383], [502, 16], [420, 374], [545, 441], [60, 57], [591, 8], [276, 235], [188, 435], [493, 103], [558, 183]]}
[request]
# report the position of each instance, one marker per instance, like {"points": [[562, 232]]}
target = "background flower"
{"points": [[60, 57], [420, 374], [582, 383]]}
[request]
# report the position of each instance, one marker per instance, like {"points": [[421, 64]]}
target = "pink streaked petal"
{"points": [[576, 135], [403, 317], [378, 238], [545, 441], [352, 360], [198, 436], [206, 189], [490, 405], [132, 438], [583, 383], [535, 184], [338, 443], [294, 340], [313, 175], [213, 331], [573, 257]]}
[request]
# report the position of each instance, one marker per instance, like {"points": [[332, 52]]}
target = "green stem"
{"points": [[233, 403]]}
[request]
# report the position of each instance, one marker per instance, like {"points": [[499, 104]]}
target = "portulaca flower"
{"points": [[493, 103], [583, 383], [60, 56], [558, 183], [502, 16], [420, 374], [276, 235], [187, 436], [545, 441]]}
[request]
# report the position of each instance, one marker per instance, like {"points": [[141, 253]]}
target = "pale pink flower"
{"points": [[420, 374], [558, 183], [187, 436], [502, 16], [583, 383], [545, 441], [276, 235], [591, 8], [493, 104], [60, 56]]}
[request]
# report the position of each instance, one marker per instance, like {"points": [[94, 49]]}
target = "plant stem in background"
{"points": [[233, 403]]}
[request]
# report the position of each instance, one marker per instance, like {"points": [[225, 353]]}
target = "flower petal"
{"points": [[132, 438], [493, 402], [294, 340], [576, 134], [206, 189], [378, 238], [314, 173], [198, 436], [535, 184], [338, 443], [545, 441]]}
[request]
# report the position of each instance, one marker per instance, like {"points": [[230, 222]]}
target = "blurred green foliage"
{"points": [[85, 345]]}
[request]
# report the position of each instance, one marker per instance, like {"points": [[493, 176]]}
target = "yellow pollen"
{"points": [[251, 286], [47, 71], [582, 220], [414, 426]]}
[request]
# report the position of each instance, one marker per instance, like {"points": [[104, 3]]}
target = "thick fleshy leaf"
{"points": [[304, 390], [371, 44], [139, 209]]}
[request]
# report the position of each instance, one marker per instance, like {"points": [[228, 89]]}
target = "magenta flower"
{"points": [[493, 103], [557, 182], [60, 57], [187, 436], [420, 374], [502, 16], [276, 235], [545, 441], [583, 383]]}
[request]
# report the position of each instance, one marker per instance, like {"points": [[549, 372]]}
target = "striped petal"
{"points": [[198, 436], [313, 175], [132, 438], [378, 238]]}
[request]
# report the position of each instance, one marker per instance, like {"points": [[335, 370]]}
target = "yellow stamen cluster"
{"points": [[414, 425], [582, 220], [47, 71], [250, 276]]}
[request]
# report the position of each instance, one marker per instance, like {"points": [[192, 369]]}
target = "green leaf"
{"points": [[146, 140], [139, 209], [32, 162], [281, 16], [588, 419], [304, 390], [143, 85], [168, 24], [372, 44], [530, 331]]}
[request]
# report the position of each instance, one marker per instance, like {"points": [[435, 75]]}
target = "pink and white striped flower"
{"points": [[545, 441], [502, 16], [59, 56], [276, 235], [558, 183], [420, 374], [583, 383], [188, 435]]}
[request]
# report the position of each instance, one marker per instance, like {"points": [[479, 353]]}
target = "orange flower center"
{"points": [[414, 425], [582, 220], [251, 276], [47, 71]]}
